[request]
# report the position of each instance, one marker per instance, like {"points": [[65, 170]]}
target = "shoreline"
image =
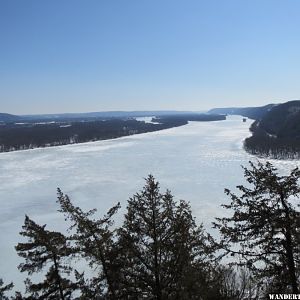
{"points": [[149, 127], [88, 142]]}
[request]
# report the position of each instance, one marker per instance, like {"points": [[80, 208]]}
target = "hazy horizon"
{"points": [[137, 110]]}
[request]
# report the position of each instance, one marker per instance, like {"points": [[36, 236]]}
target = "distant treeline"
{"points": [[29, 136], [189, 117], [21, 136]]}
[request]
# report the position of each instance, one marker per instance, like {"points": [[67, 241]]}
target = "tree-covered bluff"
{"points": [[277, 133], [254, 113]]}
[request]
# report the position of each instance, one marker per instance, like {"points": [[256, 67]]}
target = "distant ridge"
{"points": [[277, 133], [254, 113], [106, 114], [8, 117], [283, 120]]}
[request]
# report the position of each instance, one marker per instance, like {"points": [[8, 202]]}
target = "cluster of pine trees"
{"points": [[161, 253]]}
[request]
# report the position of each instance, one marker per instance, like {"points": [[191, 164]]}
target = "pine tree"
{"points": [[4, 289], [95, 241], [263, 230], [165, 254], [45, 252]]}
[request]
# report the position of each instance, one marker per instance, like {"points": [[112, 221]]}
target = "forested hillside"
{"points": [[276, 130], [277, 133], [254, 113], [8, 118]]}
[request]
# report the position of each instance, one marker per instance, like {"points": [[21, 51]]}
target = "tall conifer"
{"points": [[94, 241], [45, 252], [263, 229], [166, 255]]}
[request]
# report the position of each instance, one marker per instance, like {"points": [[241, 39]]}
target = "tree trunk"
{"points": [[289, 248], [104, 266], [61, 292], [158, 292], [291, 262]]}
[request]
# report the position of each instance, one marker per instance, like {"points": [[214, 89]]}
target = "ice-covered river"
{"points": [[196, 162]]}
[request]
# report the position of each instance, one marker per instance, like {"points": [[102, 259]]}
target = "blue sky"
{"points": [[79, 56]]}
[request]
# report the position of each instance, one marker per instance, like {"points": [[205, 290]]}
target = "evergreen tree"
{"points": [[263, 230], [95, 241], [165, 254], [45, 252], [4, 289], [159, 253]]}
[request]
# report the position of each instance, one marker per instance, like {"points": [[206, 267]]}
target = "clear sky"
{"points": [[95, 55]]}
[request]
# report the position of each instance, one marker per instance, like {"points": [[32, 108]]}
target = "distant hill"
{"points": [[283, 120], [254, 113], [90, 116], [8, 118], [277, 133], [104, 115]]}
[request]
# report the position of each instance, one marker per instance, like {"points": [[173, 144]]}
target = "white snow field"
{"points": [[196, 162]]}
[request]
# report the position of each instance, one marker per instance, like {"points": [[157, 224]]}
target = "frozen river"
{"points": [[196, 162]]}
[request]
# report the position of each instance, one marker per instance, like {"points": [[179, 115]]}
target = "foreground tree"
{"points": [[263, 230], [4, 289], [45, 252], [159, 253], [165, 254], [94, 241]]}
